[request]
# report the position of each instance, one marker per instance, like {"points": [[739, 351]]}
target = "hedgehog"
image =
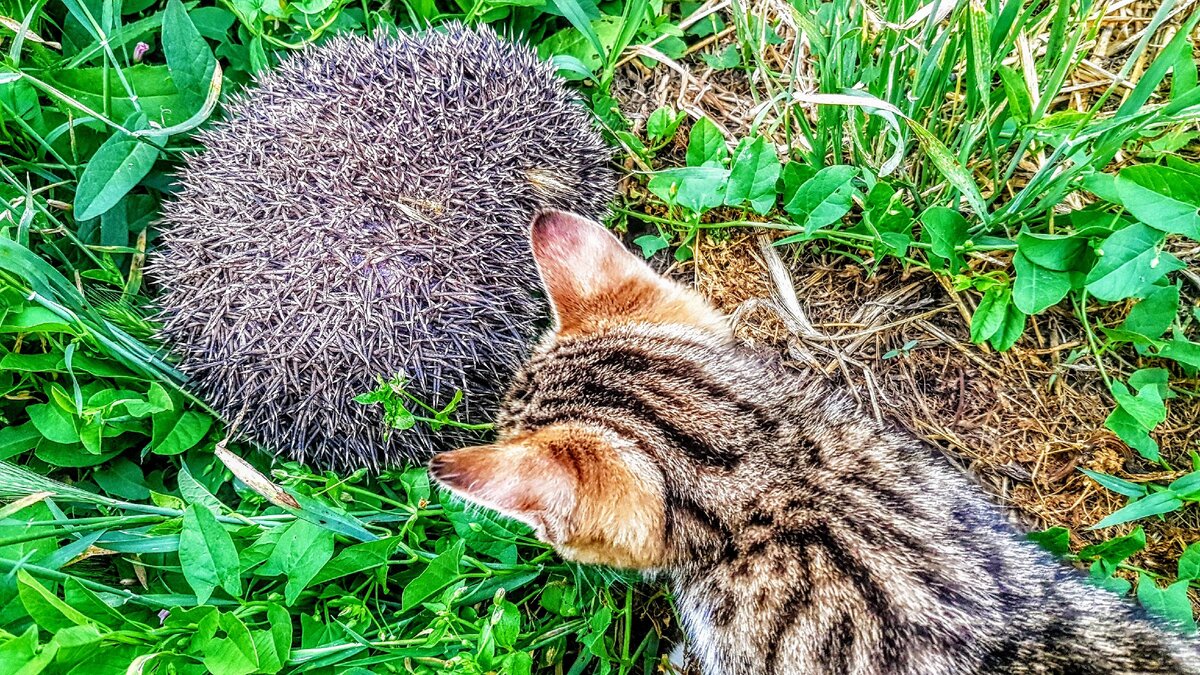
{"points": [[362, 212]]}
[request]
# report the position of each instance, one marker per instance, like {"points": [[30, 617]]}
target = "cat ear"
{"points": [[516, 479], [591, 277]]}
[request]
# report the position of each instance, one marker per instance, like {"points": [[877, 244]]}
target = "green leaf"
{"points": [[1146, 407], [696, 188], [17, 439], [233, 654], [302, 550], [1152, 377], [506, 623], [1182, 351], [989, 316], [1129, 263], [706, 144], [1170, 603], [1161, 197], [20, 655], [1052, 251], [189, 58], [187, 431], [725, 59], [274, 646], [120, 163], [1117, 549], [651, 244], [662, 124], [358, 558], [1186, 487], [1036, 288], [440, 572], [207, 555], [1055, 540], [945, 229], [754, 175], [1132, 433], [951, 169], [1117, 485], [574, 13], [823, 199], [54, 423], [45, 608], [1020, 105], [1151, 505], [1189, 562], [1153, 315]]}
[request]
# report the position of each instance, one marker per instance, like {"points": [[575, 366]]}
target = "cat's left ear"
{"points": [[516, 479], [592, 279]]}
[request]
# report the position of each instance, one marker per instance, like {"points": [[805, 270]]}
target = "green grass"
{"points": [[130, 535]]}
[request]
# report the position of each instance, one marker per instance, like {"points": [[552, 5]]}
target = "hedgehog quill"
{"points": [[362, 212]]}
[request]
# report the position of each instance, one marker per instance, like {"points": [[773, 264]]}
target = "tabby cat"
{"points": [[798, 535]]}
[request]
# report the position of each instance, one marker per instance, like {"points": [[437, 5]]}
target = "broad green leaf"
{"points": [[1182, 351], [195, 493], [1189, 562], [207, 555], [1129, 263], [17, 439], [1154, 314], [188, 430], [1117, 485], [54, 423], [1052, 251], [706, 144], [122, 478], [753, 176], [358, 558], [441, 571], [1170, 603], [1152, 377], [506, 623], [696, 188], [990, 315], [1056, 540], [651, 244], [274, 646], [233, 654], [1151, 505], [824, 199], [1163, 198], [112, 172], [1132, 433], [945, 230], [45, 608], [1116, 549], [1010, 329], [1036, 288], [300, 553], [77, 643], [20, 656], [662, 124], [1146, 406], [189, 58]]}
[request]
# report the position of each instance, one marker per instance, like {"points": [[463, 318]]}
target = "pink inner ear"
{"points": [[560, 238]]}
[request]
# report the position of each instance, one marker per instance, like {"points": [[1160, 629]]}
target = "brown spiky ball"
{"points": [[363, 211]]}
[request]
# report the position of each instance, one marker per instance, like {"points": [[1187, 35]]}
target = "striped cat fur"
{"points": [[798, 535]]}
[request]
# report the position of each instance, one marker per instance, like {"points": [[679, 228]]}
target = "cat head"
{"points": [[580, 455]]}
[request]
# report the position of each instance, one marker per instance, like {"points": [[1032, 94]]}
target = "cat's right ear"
{"points": [[591, 278]]}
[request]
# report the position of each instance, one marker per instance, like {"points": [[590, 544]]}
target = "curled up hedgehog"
{"points": [[363, 211]]}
